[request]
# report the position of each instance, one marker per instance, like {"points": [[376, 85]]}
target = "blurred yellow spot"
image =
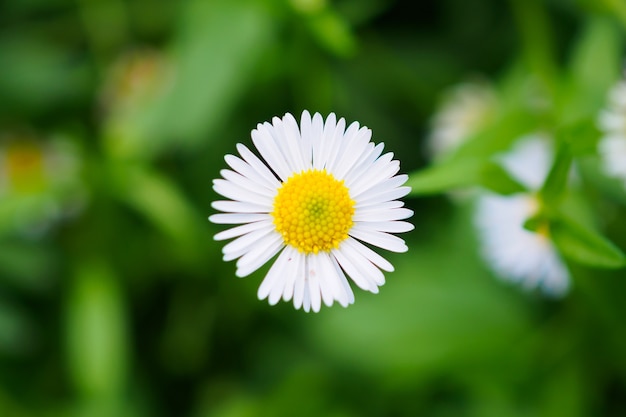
{"points": [[25, 167], [313, 211], [135, 77], [543, 229]]}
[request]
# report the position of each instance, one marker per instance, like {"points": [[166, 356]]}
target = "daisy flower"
{"points": [[316, 197], [465, 109], [514, 253], [39, 181], [612, 122]]}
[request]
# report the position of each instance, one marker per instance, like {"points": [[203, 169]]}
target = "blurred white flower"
{"points": [[465, 109], [512, 252], [39, 182], [529, 160], [612, 123], [133, 87], [318, 192], [133, 80]]}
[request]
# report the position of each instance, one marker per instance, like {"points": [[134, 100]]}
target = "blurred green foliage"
{"points": [[115, 116]]}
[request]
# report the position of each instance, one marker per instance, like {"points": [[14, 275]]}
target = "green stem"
{"points": [[534, 28], [106, 27]]}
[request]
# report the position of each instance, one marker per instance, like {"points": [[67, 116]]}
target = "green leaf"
{"points": [[445, 176], [585, 246], [536, 223], [537, 40], [97, 345], [498, 180], [333, 32], [582, 136], [158, 199], [556, 183], [595, 67], [597, 55], [463, 173]]}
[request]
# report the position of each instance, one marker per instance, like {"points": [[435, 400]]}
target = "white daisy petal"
{"points": [[291, 131], [363, 264], [326, 140], [293, 268], [259, 255], [238, 252], [363, 215], [378, 186], [297, 280], [306, 143], [379, 206], [364, 281], [316, 189], [356, 265], [243, 229], [243, 243], [344, 283], [299, 285], [335, 144], [387, 195], [354, 151], [369, 254], [237, 218], [347, 142], [290, 279], [365, 164], [306, 299], [317, 136], [239, 207], [336, 281], [251, 173], [235, 192], [326, 281], [261, 172], [289, 148], [268, 149], [389, 227], [375, 188], [379, 173], [313, 280], [529, 161], [254, 184], [277, 271], [380, 239]]}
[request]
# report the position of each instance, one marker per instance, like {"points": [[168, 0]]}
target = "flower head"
{"points": [[465, 109], [511, 251], [39, 181], [316, 195], [612, 122]]}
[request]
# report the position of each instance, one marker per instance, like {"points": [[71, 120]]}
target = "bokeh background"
{"points": [[115, 116]]}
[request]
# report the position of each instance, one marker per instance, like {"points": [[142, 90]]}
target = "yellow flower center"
{"points": [[313, 211]]}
